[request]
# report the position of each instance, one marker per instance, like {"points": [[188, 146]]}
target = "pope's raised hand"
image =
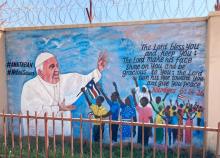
{"points": [[102, 61]]}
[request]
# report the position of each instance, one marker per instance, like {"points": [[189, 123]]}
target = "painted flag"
{"points": [[182, 97], [92, 89]]}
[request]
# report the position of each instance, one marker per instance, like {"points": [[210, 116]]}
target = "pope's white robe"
{"points": [[40, 96]]}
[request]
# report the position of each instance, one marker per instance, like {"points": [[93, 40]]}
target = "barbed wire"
{"points": [[16, 13]]}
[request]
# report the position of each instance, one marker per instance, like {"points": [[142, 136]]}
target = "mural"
{"points": [[148, 73]]}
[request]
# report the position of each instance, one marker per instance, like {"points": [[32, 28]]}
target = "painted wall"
{"points": [[166, 58]]}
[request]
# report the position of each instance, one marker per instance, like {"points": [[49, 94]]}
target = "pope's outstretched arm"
{"points": [[73, 82]]}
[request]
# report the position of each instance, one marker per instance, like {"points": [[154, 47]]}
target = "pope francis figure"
{"points": [[51, 92]]}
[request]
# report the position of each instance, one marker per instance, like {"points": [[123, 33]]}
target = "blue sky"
{"points": [[57, 12]]}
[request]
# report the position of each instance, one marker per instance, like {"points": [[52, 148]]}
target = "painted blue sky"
{"points": [[77, 50]]}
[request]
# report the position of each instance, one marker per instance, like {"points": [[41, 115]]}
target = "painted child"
{"points": [[99, 111], [159, 131], [145, 116], [189, 122], [114, 108], [127, 113]]}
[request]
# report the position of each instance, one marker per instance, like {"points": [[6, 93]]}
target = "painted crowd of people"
{"points": [[149, 110]]}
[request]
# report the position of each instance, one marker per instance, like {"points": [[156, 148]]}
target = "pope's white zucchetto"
{"points": [[42, 57]]}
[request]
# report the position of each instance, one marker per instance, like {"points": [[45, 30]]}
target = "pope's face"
{"points": [[50, 71]]}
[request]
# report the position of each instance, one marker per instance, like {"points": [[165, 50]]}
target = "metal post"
{"points": [[46, 135], [100, 136], [178, 141], [121, 145], [81, 138], [20, 134], [90, 142], [89, 12], [142, 151], [63, 150], [191, 141], [28, 134], [154, 147], [5, 135], [166, 140], [54, 136], [71, 141], [110, 144], [132, 141], [36, 134], [12, 133]]}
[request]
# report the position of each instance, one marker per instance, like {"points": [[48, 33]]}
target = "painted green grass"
{"points": [[126, 150]]}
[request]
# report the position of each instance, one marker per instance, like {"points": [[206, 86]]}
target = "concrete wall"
{"points": [[213, 66], [3, 86], [213, 75]]}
